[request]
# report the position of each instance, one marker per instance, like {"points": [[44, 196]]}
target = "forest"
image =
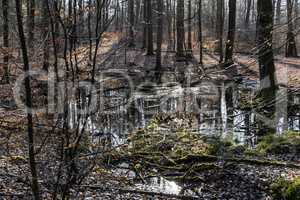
{"points": [[150, 99]]}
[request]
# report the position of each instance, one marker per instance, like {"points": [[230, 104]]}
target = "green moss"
{"points": [[284, 189], [174, 145], [218, 145], [279, 144], [254, 152]]}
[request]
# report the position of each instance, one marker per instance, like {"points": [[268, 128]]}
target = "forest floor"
{"points": [[240, 181]]}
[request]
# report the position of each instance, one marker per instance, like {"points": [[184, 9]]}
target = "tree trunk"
{"points": [[231, 32], [248, 11], [90, 31], [190, 48], [159, 39], [122, 16], [278, 12], [180, 30], [169, 21], [117, 24], [160, 10], [220, 27], [174, 25], [291, 49], [5, 8], [70, 8], [137, 12], [200, 32], [31, 151], [131, 22], [149, 28], [54, 34], [81, 23], [45, 31], [268, 83], [297, 11], [144, 24], [232, 70], [30, 22]]}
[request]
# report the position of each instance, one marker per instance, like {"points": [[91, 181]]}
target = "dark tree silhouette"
{"points": [[5, 8], [231, 32], [180, 29], [30, 22], [149, 28], [31, 146], [291, 49]]}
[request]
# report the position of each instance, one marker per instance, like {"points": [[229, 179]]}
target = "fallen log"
{"points": [[210, 158]]}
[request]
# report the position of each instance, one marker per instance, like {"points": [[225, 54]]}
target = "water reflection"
{"points": [[122, 111], [160, 185]]}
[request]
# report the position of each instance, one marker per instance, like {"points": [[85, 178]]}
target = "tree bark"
{"points": [[278, 12], [169, 21], [248, 11], [149, 28], [231, 32], [54, 34], [45, 31], [190, 48], [5, 7], [200, 32], [81, 23], [291, 49], [220, 27], [31, 149], [174, 24], [137, 12], [30, 22], [160, 10], [180, 30], [144, 24], [117, 24], [297, 12], [131, 22], [122, 15], [268, 83]]}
